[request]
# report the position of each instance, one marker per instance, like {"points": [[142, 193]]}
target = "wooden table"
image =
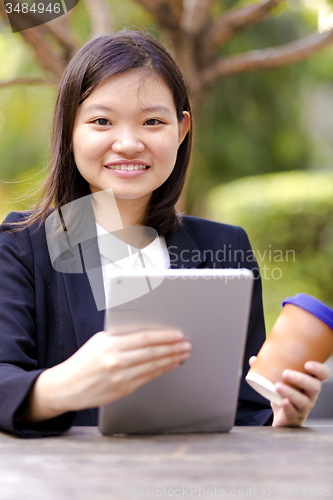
{"points": [[246, 462]]}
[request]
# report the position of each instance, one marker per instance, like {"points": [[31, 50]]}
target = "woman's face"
{"points": [[126, 135]]}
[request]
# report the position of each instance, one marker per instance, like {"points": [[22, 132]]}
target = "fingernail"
{"points": [[186, 346]]}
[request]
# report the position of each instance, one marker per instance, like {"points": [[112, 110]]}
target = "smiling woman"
{"points": [[122, 124], [133, 60]]}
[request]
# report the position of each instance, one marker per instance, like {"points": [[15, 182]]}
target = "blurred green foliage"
{"points": [[289, 220], [21, 193], [250, 124], [255, 123], [25, 111], [26, 122]]}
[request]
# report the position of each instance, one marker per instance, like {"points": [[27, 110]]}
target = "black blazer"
{"points": [[46, 315]]}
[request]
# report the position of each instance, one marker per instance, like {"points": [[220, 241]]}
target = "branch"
{"points": [[62, 33], [58, 27], [166, 12], [4, 14], [269, 58], [195, 15], [100, 16], [46, 57], [237, 20], [26, 81]]}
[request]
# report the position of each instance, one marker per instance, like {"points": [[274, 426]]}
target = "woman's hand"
{"points": [[297, 403], [106, 368]]}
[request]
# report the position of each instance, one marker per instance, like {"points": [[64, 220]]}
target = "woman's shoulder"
{"points": [[17, 229], [212, 234], [23, 243], [212, 229], [16, 217], [19, 221], [227, 240]]}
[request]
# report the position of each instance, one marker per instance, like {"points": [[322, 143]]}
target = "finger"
{"points": [[311, 386], [319, 370], [136, 356], [138, 340], [298, 400], [159, 365], [292, 417], [148, 377], [252, 360]]}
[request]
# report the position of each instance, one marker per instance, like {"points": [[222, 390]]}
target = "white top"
{"points": [[153, 256]]}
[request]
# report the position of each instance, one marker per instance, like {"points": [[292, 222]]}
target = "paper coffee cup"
{"points": [[302, 332]]}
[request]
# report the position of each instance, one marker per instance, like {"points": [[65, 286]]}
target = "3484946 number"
{"points": [[35, 8]]}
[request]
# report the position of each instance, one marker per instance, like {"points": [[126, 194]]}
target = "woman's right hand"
{"points": [[106, 368]]}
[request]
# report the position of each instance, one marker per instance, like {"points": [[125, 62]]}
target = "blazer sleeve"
{"points": [[19, 366], [252, 409]]}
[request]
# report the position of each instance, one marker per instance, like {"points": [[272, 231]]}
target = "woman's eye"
{"points": [[153, 121], [102, 121]]}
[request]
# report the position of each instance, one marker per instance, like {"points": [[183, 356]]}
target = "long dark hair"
{"points": [[102, 57]]}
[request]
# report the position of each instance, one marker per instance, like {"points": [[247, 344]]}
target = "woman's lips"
{"points": [[128, 166], [128, 170]]}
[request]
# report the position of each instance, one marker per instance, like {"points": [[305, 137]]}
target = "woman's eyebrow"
{"points": [[97, 107], [150, 109], [155, 109]]}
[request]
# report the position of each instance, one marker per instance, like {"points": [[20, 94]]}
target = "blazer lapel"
{"points": [[87, 318], [83, 279], [183, 251]]}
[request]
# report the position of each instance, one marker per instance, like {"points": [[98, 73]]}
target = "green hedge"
{"points": [[289, 220]]}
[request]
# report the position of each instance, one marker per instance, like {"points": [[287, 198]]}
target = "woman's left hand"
{"points": [[297, 403]]}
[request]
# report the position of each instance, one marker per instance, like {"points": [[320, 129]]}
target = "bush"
{"points": [[289, 220]]}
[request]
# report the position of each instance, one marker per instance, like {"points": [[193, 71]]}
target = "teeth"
{"points": [[127, 167]]}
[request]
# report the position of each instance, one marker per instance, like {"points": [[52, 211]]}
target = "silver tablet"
{"points": [[212, 308]]}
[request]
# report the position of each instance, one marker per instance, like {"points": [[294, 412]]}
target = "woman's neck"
{"points": [[114, 214], [132, 211]]}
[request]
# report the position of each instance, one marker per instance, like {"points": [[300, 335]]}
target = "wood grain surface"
{"points": [[246, 462]]}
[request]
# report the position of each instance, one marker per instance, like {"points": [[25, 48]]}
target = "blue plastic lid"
{"points": [[313, 306]]}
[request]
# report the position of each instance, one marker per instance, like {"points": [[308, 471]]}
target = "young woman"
{"points": [[122, 121]]}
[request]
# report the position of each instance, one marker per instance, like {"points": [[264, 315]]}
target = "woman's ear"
{"points": [[184, 127]]}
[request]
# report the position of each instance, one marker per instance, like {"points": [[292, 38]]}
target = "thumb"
{"points": [[252, 360]]}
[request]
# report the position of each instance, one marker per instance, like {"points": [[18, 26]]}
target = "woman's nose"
{"points": [[127, 143]]}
